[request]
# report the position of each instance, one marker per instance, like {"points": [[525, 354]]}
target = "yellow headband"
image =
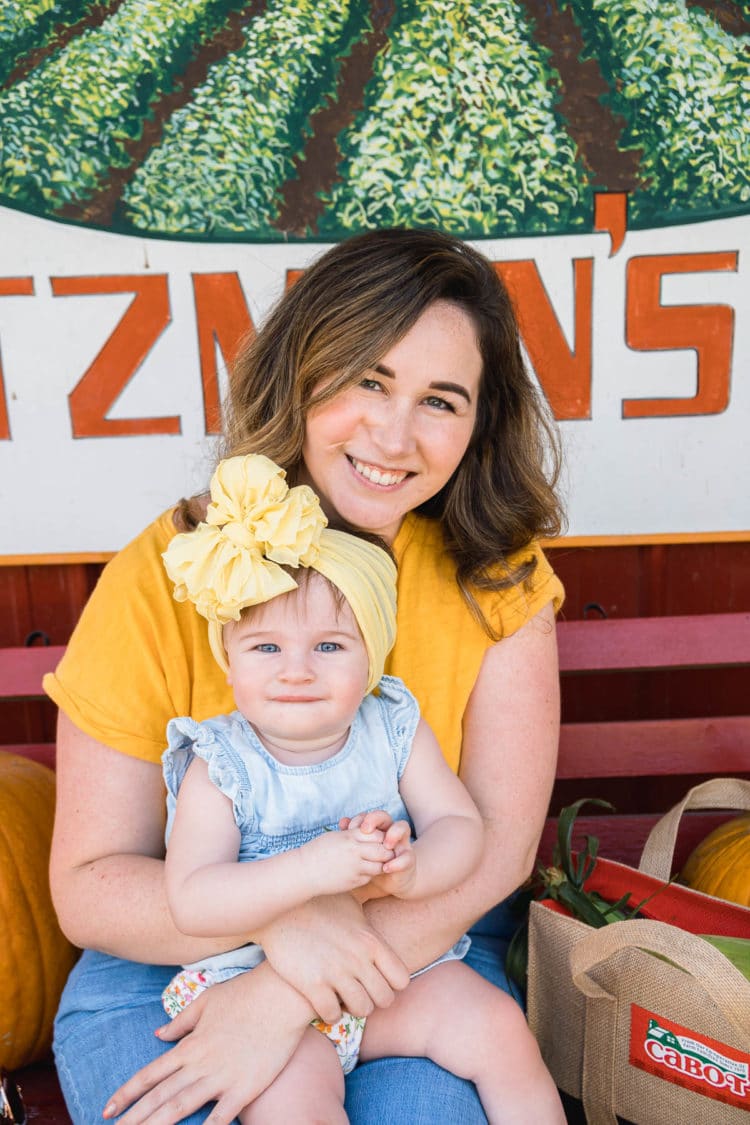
{"points": [[255, 522]]}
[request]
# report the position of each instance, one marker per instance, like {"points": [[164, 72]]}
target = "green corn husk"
{"points": [[564, 882]]}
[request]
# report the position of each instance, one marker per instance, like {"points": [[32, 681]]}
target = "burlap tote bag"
{"points": [[630, 1033], [663, 1042]]}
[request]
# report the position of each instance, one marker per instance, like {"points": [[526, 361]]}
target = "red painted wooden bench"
{"points": [[590, 752], [714, 745], [21, 672]]}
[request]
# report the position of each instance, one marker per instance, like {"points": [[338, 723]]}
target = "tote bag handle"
{"points": [[718, 793], [718, 977], [721, 980]]}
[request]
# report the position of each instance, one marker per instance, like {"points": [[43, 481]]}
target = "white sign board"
{"points": [[112, 355]]}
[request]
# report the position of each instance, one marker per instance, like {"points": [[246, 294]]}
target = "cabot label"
{"points": [[689, 1059]]}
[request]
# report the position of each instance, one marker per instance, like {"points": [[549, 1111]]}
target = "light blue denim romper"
{"points": [[279, 807]]}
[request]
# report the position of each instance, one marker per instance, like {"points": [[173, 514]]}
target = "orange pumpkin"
{"points": [[720, 865], [35, 957]]}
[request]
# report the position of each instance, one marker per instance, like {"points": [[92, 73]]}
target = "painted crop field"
{"points": [[312, 119]]}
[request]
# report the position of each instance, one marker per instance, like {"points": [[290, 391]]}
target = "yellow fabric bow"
{"points": [[256, 522]]}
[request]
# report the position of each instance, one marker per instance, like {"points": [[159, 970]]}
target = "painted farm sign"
{"points": [[144, 144]]}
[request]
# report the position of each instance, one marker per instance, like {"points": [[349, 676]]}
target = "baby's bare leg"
{"points": [[309, 1090], [463, 1023]]}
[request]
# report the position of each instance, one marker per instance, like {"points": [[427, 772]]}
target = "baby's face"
{"points": [[299, 669]]}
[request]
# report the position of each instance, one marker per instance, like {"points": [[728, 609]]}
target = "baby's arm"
{"points": [[211, 894], [448, 826]]}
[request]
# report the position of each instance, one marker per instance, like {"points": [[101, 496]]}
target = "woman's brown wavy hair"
{"points": [[344, 313]]}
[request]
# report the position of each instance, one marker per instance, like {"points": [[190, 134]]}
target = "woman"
{"points": [[390, 379]]}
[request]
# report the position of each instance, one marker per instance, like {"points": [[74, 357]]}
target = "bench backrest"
{"points": [[689, 748], [21, 672], [22, 669]]}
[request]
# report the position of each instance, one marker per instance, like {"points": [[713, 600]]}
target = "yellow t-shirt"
{"points": [[137, 657]]}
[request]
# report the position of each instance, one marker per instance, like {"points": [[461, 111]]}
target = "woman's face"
{"points": [[381, 448]]}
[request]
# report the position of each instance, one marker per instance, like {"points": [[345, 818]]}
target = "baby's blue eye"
{"points": [[328, 646], [267, 648]]}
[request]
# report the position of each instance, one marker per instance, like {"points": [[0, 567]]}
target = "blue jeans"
{"points": [[104, 1033]]}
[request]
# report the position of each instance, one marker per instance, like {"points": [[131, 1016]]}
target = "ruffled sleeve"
{"points": [[400, 713], [211, 741]]}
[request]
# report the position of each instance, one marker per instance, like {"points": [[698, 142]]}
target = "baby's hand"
{"points": [[372, 824], [400, 873], [343, 861]]}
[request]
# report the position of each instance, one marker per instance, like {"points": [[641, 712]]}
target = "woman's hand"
{"points": [[329, 953], [234, 1039]]}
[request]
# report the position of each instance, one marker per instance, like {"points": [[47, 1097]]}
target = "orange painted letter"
{"points": [[706, 329], [132, 339], [292, 276], [11, 287], [564, 373], [611, 216], [222, 316]]}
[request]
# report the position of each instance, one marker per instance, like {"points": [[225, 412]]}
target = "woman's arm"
{"points": [[210, 893], [106, 868]]}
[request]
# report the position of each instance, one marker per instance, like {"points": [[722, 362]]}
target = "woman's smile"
{"points": [[383, 478], [386, 445]]}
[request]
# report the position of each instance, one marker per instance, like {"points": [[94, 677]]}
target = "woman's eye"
{"points": [[440, 403], [267, 648], [328, 646], [370, 384]]}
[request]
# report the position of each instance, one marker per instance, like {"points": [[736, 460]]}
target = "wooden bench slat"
{"points": [[44, 752], [655, 747], [638, 643], [22, 669]]}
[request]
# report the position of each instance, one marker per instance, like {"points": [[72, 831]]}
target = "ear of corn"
{"points": [[735, 949]]}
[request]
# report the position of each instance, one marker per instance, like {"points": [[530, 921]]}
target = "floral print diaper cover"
{"points": [[345, 1034]]}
